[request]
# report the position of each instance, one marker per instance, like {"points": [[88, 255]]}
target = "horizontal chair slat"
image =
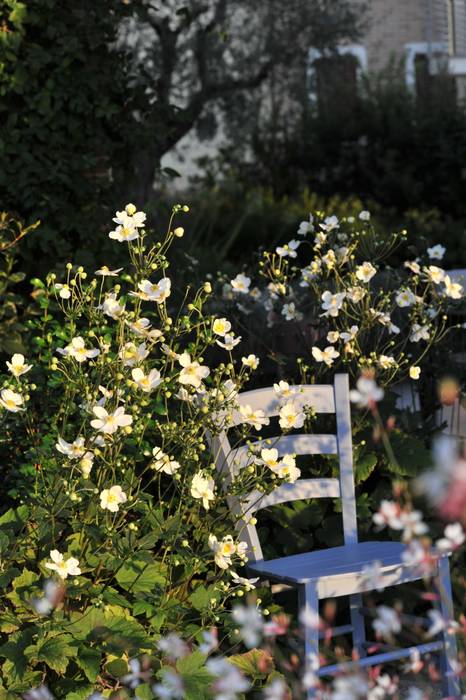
{"points": [[376, 659], [318, 396], [300, 490]]}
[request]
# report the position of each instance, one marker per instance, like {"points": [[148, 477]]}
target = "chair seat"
{"points": [[339, 570]]}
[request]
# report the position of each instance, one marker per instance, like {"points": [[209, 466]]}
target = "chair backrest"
{"points": [[324, 398]]}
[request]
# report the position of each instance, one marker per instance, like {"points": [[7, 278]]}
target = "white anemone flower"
{"points": [[155, 291], [367, 392], [414, 372], [251, 361], [192, 373], [286, 469], [452, 289], [330, 223], [229, 341], [130, 213], [163, 463], [248, 583], [221, 326], [405, 297], [306, 226], [436, 252], [78, 351], [240, 284], [435, 274], [332, 303], [203, 488], [64, 290], [146, 382], [365, 215], [109, 423], [73, 450], [86, 463], [124, 232], [288, 250], [356, 294], [112, 498], [12, 401], [105, 271], [17, 365], [131, 354], [64, 568], [112, 307], [291, 416], [256, 418], [223, 550], [453, 538], [284, 390], [365, 272], [387, 622], [328, 355], [419, 332]]}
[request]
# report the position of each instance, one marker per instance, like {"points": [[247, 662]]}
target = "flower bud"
{"points": [[179, 232]]}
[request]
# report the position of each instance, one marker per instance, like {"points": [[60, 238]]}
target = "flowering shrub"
{"points": [[122, 533]]}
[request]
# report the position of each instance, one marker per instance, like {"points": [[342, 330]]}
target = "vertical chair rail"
{"points": [[345, 452]]}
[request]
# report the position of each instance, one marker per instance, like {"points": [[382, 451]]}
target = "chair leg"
{"points": [[357, 622], [449, 658], [309, 601]]}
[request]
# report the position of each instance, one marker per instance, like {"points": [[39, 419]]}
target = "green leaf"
{"points": [[15, 665], [144, 692], [82, 694], [23, 589], [122, 634], [252, 661], [14, 518], [8, 622], [200, 599], [139, 576], [411, 454], [53, 651], [88, 660], [364, 466], [191, 663], [117, 668]]}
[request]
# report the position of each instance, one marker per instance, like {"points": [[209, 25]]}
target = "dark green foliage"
{"points": [[65, 112]]}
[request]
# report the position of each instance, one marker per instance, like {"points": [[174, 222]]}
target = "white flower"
{"points": [[289, 249], [140, 326], [310, 273], [330, 223], [146, 382], [319, 239], [192, 373], [436, 252], [386, 361], [405, 297], [452, 289], [349, 336], [105, 271], [85, 464], [328, 355], [387, 622], [353, 687], [290, 312], [385, 320], [250, 622], [435, 274], [414, 372], [64, 290], [17, 367], [221, 326], [306, 226], [372, 573], [247, 583], [110, 422], [173, 646], [70, 567], [365, 272], [154, 291], [291, 416], [73, 450], [333, 336], [78, 350], [367, 392], [269, 457], [284, 391], [413, 266], [439, 623], [332, 303], [229, 682], [130, 213], [223, 550], [163, 463], [287, 469], [229, 341], [251, 361], [276, 690], [412, 524], [131, 354], [203, 488], [388, 514], [355, 294], [364, 215], [329, 259], [112, 307], [419, 333], [124, 232], [255, 418], [240, 284], [171, 687], [110, 499], [452, 539], [11, 400]]}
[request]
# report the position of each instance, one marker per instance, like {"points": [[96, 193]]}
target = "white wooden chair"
{"points": [[337, 571]]}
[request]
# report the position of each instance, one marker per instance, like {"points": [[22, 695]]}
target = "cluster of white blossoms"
{"points": [[225, 549], [285, 468], [369, 314]]}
